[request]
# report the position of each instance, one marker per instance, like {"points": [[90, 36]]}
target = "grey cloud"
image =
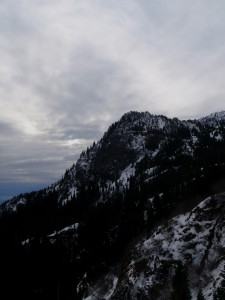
{"points": [[70, 68], [7, 129]]}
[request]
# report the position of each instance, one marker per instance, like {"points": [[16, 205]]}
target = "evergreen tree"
{"points": [[180, 284], [220, 292], [200, 296]]}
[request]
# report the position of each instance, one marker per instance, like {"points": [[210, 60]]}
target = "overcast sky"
{"points": [[68, 68]]}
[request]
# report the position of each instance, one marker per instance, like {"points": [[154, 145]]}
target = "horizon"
{"points": [[69, 69], [24, 188]]}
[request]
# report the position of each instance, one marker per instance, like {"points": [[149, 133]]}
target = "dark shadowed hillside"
{"points": [[125, 222]]}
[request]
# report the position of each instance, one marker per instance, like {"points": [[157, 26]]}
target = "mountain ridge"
{"points": [[145, 170], [150, 120]]}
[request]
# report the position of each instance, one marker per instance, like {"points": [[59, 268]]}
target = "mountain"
{"points": [[125, 216], [214, 118], [127, 142]]}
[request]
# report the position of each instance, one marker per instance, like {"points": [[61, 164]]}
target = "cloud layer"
{"points": [[70, 68]]}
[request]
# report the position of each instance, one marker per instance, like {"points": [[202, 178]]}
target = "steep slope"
{"points": [[193, 242], [144, 170]]}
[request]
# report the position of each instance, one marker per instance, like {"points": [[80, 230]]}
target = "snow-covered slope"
{"points": [[218, 116], [195, 240]]}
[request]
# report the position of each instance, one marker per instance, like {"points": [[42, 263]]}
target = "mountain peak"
{"points": [[217, 116], [135, 115], [144, 121]]}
